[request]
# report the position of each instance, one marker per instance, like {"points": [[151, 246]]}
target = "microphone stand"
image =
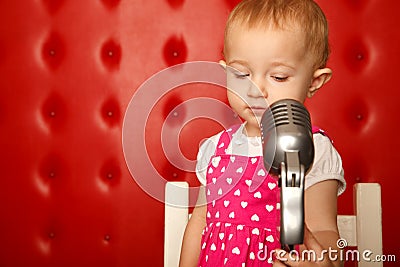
{"points": [[292, 201]]}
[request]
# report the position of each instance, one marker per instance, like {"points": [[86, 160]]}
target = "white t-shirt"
{"points": [[327, 163]]}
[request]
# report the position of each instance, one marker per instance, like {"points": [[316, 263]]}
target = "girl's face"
{"points": [[264, 66]]}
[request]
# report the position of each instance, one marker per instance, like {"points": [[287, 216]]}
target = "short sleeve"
{"points": [[206, 151], [327, 164]]}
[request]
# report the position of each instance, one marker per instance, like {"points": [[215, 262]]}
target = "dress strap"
{"points": [[225, 139]]}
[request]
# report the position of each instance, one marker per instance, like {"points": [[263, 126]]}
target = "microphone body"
{"points": [[288, 151]]}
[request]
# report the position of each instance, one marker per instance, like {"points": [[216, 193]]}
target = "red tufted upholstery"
{"points": [[68, 71]]}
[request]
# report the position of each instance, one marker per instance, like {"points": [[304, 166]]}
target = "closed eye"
{"points": [[241, 75], [280, 78]]}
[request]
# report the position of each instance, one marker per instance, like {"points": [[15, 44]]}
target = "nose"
{"points": [[257, 88]]}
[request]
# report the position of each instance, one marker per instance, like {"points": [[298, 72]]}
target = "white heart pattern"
{"points": [[253, 160], [255, 231], [269, 207], [270, 238], [240, 227], [232, 215], [215, 161], [252, 256], [232, 159], [236, 251], [239, 170], [210, 170], [237, 193], [229, 180], [261, 172], [223, 169], [248, 182], [257, 195], [217, 214], [220, 191], [271, 185], [214, 180], [221, 236], [213, 247], [221, 145], [244, 204], [255, 218], [226, 203]]}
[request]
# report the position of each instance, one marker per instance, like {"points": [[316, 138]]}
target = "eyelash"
{"points": [[242, 75], [279, 78]]}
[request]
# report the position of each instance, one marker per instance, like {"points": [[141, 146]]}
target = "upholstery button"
{"points": [[358, 113], [175, 51], [52, 235], [111, 3], [53, 6], [175, 3], [110, 112], [111, 55], [53, 51], [110, 175], [107, 238], [53, 112], [357, 56]]}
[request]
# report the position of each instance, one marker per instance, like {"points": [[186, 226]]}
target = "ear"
{"points": [[320, 77]]}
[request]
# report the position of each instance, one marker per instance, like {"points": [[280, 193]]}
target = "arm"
{"points": [[321, 214], [192, 238], [321, 232]]}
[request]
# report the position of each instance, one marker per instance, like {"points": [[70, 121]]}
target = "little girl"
{"points": [[274, 50]]}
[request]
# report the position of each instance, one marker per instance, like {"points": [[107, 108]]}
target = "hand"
{"points": [[318, 256]]}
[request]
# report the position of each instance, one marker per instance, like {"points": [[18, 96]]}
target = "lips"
{"points": [[258, 110]]}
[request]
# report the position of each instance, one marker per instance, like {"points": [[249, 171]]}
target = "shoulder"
{"points": [[206, 151]]}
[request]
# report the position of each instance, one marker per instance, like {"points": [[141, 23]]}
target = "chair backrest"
{"points": [[175, 220], [363, 230]]}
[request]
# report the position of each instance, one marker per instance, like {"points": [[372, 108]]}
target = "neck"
{"points": [[252, 130]]}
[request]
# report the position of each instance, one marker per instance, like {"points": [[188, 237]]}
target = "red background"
{"points": [[68, 71]]}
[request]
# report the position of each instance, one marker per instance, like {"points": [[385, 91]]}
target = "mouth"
{"points": [[258, 111]]}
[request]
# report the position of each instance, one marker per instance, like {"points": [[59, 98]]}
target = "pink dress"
{"points": [[243, 213]]}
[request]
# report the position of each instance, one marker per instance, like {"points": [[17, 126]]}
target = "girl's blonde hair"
{"points": [[305, 14]]}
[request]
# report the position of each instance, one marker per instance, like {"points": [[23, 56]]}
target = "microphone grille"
{"points": [[300, 115], [284, 113]]}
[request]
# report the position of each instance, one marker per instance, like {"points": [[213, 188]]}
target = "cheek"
{"points": [[235, 101]]}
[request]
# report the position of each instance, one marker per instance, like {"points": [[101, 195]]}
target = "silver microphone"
{"points": [[288, 151]]}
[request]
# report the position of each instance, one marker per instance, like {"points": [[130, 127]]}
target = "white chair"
{"points": [[175, 220], [362, 230]]}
